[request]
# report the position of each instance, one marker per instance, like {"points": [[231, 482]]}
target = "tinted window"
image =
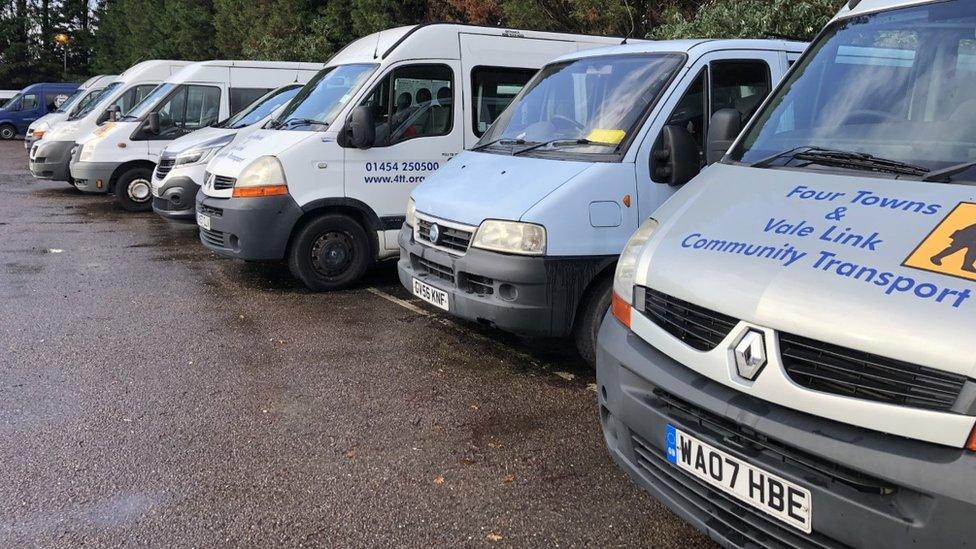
{"points": [[242, 97], [492, 89]]}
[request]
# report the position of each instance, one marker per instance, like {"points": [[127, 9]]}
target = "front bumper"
{"points": [[92, 177], [531, 295], [867, 487], [255, 229], [176, 198], [52, 160]]}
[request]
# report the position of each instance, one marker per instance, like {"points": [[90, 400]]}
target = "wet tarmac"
{"points": [[153, 394]]}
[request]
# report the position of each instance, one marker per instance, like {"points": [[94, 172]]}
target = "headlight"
{"points": [[511, 237], [103, 129], [263, 177], [623, 279], [411, 213], [86, 152], [195, 156]]}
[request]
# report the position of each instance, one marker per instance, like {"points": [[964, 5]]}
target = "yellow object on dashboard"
{"points": [[606, 136]]}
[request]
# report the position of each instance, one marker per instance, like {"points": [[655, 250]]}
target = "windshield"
{"points": [[143, 107], [70, 101], [322, 99], [262, 107], [98, 101], [899, 85], [585, 106], [12, 101]]}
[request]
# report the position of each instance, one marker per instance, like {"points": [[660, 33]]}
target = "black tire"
{"points": [[133, 190], [589, 316], [331, 252], [7, 132]]}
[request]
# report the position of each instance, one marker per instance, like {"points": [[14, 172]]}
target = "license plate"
{"points": [[203, 221], [765, 491], [430, 294]]}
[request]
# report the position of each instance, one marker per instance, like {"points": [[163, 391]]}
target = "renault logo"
{"points": [[750, 355], [434, 233]]}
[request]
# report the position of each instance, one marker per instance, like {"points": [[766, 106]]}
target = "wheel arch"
{"points": [[604, 271], [126, 166], [356, 209]]}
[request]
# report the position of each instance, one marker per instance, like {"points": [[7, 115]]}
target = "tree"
{"points": [[801, 19]]}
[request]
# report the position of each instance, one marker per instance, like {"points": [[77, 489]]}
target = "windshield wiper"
{"points": [[843, 159], [292, 122], [503, 140], [554, 142], [945, 174]]}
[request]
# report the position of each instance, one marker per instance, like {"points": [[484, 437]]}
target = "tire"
{"points": [[7, 132], [589, 316], [133, 190], [331, 252]]}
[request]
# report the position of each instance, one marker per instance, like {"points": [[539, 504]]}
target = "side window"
{"points": [[202, 107], [171, 114], [492, 89], [411, 102], [31, 101], [689, 113], [741, 85], [242, 97]]}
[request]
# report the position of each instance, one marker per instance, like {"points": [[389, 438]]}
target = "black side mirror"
{"points": [[677, 160], [152, 120], [114, 112], [360, 129], [723, 127]]}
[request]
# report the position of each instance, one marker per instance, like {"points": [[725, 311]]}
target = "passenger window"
{"points": [[741, 85], [30, 102], [493, 88], [242, 97], [202, 107], [413, 101], [689, 113]]}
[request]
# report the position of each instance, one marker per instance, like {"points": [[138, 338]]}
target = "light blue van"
{"points": [[523, 231]]}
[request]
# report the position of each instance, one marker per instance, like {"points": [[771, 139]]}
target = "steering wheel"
{"points": [[867, 116], [565, 122]]}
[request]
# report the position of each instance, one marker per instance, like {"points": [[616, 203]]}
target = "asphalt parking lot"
{"points": [[154, 394]]}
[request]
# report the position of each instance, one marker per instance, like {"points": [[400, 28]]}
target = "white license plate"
{"points": [[203, 221], [765, 491], [430, 294]]}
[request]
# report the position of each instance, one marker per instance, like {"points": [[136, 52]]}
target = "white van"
{"points": [[120, 156], [87, 92], [50, 156], [791, 359], [327, 187], [182, 165]]}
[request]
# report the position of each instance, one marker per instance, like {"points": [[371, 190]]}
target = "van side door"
{"points": [[727, 79], [416, 117], [30, 109]]}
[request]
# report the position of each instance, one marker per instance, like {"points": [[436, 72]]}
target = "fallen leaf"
{"points": [[508, 479], [350, 454], [439, 479], [566, 375], [493, 537], [591, 387]]}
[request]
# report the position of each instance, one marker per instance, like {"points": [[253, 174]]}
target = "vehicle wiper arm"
{"points": [[303, 122], [504, 140], [554, 142], [861, 161], [945, 174]]}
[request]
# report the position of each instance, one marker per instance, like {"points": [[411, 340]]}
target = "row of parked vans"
{"points": [[786, 243]]}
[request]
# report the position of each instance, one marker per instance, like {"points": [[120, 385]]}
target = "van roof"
{"points": [[868, 6], [103, 78], [693, 48], [143, 67], [199, 71], [50, 85], [439, 40]]}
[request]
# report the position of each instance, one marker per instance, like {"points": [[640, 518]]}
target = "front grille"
{"points": [[164, 167], [221, 182], [481, 285], [737, 521], [698, 327], [210, 210], [214, 238], [440, 271], [456, 240], [841, 371]]}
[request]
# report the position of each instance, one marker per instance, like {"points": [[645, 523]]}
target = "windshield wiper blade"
{"points": [[554, 142], [945, 174], [291, 122], [503, 140], [860, 161]]}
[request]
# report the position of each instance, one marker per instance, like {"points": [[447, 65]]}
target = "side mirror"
{"points": [[723, 127], [113, 112], [152, 120], [360, 130], [677, 160]]}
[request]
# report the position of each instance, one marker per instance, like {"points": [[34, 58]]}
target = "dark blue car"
{"points": [[31, 103]]}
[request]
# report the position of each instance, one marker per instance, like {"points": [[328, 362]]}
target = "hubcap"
{"points": [[332, 253], [6, 133], [139, 190]]}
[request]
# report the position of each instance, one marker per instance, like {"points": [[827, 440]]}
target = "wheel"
{"points": [[589, 316], [7, 132], [133, 191], [330, 253]]}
